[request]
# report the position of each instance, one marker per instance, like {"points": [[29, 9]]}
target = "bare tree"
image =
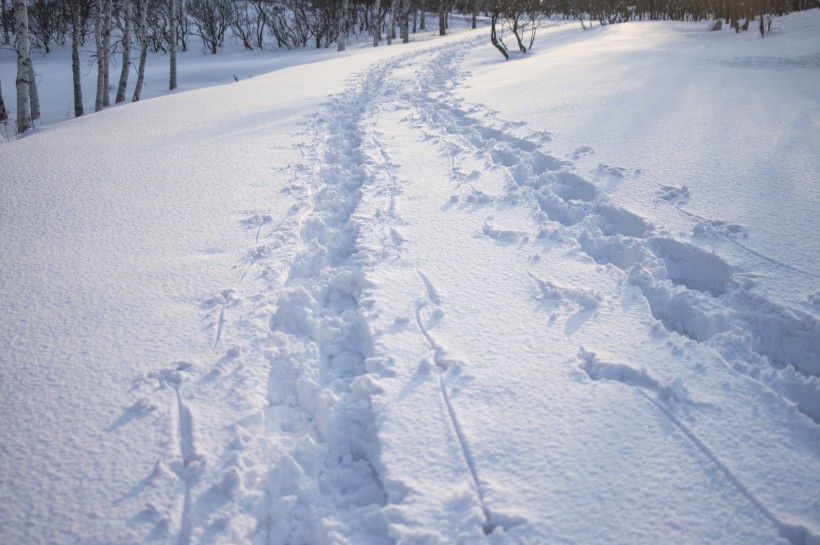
{"points": [[211, 19], [343, 27], [377, 23], [77, 9], [108, 7], [4, 114], [442, 17], [34, 96], [404, 21], [142, 31], [126, 52], [23, 66], [98, 41], [172, 45], [495, 39], [5, 20]]}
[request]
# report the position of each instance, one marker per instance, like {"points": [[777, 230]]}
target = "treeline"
{"points": [[520, 19], [254, 23], [319, 23], [117, 26]]}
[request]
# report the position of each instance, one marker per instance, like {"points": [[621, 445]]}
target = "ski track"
{"points": [[317, 430], [692, 292]]}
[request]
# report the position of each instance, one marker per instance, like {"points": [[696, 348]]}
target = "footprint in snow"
{"points": [[582, 151], [677, 196]]}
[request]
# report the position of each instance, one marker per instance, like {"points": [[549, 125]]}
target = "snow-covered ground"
{"points": [[417, 294]]}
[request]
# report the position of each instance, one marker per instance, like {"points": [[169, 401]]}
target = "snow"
{"points": [[417, 294]]}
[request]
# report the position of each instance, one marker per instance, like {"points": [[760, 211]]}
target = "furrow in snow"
{"points": [[689, 290], [322, 343]]}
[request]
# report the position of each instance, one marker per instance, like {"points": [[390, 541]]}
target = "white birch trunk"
{"points": [[23, 62], [405, 21], [377, 23], [4, 114], [126, 52], [343, 27], [6, 36], [391, 28], [107, 52], [34, 96], [98, 39], [474, 21], [172, 46], [75, 58], [142, 17]]}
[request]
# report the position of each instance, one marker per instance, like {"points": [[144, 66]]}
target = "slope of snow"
{"points": [[418, 295]]}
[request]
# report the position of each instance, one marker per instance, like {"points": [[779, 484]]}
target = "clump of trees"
{"points": [[116, 27], [520, 19]]}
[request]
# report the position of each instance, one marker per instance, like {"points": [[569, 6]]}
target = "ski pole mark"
{"points": [[190, 468], [795, 534], [676, 392], [448, 367]]}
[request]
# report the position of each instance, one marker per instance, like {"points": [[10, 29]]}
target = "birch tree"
{"points": [[4, 114], [98, 40], [34, 96], [404, 21], [474, 18], [377, 23], [126, 52], [76, 37], [442, 17], [23, 62], [172, 44], [142, 30], [5, 16], [342, 44], [107, 51]]}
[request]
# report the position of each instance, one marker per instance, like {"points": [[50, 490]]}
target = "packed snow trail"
{"points": [[436, 332], [455, 338], [494, 271]]}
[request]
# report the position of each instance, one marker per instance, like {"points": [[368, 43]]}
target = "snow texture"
{"points": [[418, 295]]}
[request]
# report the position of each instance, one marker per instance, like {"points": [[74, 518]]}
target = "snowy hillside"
{"points": [[416, 294]]}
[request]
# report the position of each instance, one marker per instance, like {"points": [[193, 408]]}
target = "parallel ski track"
{"points": [[452, 122]]}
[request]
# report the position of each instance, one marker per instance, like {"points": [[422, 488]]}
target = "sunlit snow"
{"points": [[417, 294]]}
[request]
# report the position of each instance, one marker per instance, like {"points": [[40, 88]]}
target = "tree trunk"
{"points": [[34, 96], [442, 19], [172, 45], [4, 114], [5, 23], [405, 21], [109, 4], [142, 17], [474, 21], [343, 27], [126, 53], [23, 62], [391, 31], [422, 19], [494, 36], [76, 22], [98, 39], [377, 23]]}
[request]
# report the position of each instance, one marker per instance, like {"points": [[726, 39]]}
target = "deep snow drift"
{"points": [[417, 294]]}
